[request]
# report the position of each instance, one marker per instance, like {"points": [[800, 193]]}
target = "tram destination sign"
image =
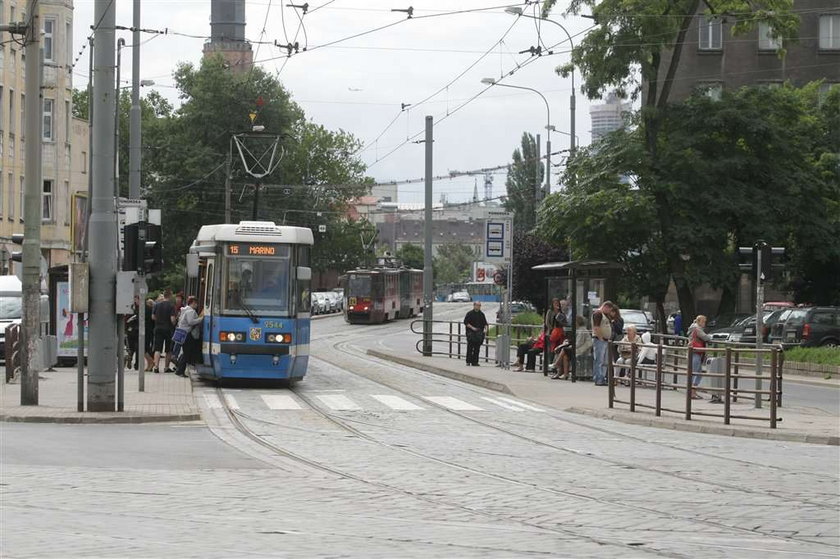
{"points": [[257, 249]]}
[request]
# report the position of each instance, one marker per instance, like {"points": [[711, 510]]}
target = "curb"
{"points": [[489, 384], [108, 419], [724, 430]]}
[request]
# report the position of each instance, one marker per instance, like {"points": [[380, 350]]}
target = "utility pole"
{"points": [[135, 157], [428, 296], [227, 180], [537, 181], [31, 278], [102, 361]]}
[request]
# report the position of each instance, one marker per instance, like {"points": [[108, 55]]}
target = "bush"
{"points": [[818, 355]]}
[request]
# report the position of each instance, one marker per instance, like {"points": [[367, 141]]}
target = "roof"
{"points": [[254, 232]]}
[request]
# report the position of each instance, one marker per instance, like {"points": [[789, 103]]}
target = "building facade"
{"points": [[64, 138], [608, 116], [713, 59]]}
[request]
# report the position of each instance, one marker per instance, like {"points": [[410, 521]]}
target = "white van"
{"points": [[11, 307]]}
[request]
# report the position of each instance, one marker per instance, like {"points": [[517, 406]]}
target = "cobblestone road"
{"points": [[368, 459]]}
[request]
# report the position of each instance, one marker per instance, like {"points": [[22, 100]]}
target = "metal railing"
{"points": [[673, 370], [449, 338]]}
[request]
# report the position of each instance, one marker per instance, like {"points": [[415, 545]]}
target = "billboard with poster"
{"points": [[483, 272], [66, 323]]}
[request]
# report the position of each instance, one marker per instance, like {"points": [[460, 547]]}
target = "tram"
{"points": [[252, 280], [381, 294]]}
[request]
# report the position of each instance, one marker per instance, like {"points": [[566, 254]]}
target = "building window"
{"points": [[712, 90], [84, 162], [830, 32], [68, 43], [825, 88], [47, 204], [771, 84], [11, 213], [67, 122], [12, 115], [49, 35], [66, 197], [711, 33], [766, 41], [1, 194], [48, 131], [22, 193], [1, 111]]}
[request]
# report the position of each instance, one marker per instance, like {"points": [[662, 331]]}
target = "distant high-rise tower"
{"points": [[608, 116], [227, 34]]}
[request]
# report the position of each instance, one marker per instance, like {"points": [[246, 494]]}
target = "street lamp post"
{"points": [[548, 127], [572, 100]]}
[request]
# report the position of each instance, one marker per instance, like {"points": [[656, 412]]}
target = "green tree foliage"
{"points": [[532, 250], [453, 263], [185, 152], [412, 256], [340, 248], [522, 180], [755, 165], [635, 48]]}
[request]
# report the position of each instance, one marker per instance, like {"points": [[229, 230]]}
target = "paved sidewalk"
{"points": [[167, 398], [583, 397]]}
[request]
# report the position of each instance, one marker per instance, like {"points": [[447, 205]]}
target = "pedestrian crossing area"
{"points": [[286, 400]]}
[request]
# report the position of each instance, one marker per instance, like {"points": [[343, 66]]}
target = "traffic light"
{"points": [[17, 255], [153, 249], [147, 236]]}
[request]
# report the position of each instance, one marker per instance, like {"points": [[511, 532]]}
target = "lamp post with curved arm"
{"points": [[548, 127], [572, 100]]}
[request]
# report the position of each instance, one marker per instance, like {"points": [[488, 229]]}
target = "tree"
{"points": [[532, 250], [412, 256], [340, 247], [452, 263], [635, 48], [733, 171], [525, 176], [185, 152]]}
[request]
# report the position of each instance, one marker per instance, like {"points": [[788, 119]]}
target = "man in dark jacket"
{"points": [[476, 324]]}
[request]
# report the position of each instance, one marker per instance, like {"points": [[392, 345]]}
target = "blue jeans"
{"points": [[599, 357], [696, 368]]}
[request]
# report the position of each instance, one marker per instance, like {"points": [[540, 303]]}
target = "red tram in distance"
{"points": [[378, 295]]}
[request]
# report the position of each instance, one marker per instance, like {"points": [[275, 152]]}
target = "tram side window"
{"points": [[303, 288]]}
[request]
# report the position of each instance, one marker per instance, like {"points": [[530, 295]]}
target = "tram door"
{"points": [[208, 275]]}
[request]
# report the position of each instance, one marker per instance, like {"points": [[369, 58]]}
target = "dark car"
{"points": [[723, 330], [777, 329], [637, 318], [814, 326], [771, 320], [744, 332]]}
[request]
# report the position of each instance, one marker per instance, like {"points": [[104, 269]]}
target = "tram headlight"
{"points": [[231, 336], [278, 338]]}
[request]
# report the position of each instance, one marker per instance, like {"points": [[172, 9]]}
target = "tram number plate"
{"points": [[252, 250]]}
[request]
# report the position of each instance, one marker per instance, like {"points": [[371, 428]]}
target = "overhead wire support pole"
{"points": [[31, 260], [427, 252], [134, 151], [103, 218]]}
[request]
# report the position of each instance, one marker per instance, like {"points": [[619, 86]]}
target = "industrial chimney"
{"points": [[227, 35]]}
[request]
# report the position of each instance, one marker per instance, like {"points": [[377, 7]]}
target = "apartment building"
{"points": [[64, 138]]}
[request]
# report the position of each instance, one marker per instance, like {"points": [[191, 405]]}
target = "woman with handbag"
{"points": [[697, 339], [189, 322]]}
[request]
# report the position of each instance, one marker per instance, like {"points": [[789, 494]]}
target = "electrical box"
{"points": [[125, 292], [79, 282]]}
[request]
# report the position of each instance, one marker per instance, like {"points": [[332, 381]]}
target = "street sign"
{"points": [[499, 278], [498, 239]]}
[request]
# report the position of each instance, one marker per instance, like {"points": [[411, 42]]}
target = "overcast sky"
{"points": [[359, 84]]}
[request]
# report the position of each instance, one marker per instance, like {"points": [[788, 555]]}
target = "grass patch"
{"points": [[818, 355], [522, 326]]}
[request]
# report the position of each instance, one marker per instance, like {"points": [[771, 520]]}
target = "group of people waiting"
{"points": [[172, 331], [606, 326]]}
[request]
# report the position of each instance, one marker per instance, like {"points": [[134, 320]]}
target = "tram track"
{"points": [[234, 418]]}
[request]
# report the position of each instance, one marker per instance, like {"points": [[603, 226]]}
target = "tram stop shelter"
{"points": [[587, 283]]}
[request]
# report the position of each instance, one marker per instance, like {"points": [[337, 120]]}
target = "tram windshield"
{"points": [[358, 286], [257, 286]]}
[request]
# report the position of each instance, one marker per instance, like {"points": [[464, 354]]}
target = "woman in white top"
{"points": [[189, 320]]}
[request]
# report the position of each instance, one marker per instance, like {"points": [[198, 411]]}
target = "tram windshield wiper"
{"points": [[248, 310]]}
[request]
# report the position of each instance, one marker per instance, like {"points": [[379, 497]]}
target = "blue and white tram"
{"points": [[252, 280]]}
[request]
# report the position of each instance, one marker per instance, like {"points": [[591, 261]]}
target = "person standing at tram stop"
{"points": [[697, 338], [163, 314], [190, 320], [601, 333], [477, 326]]}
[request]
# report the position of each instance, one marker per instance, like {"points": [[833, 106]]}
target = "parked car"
{"points": [[461, 297], [744, 332], [320, 305], [332, 300], [771, 320], [723, 333], [516, 307], [814, 326], [777, 329], [637, 318]]}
